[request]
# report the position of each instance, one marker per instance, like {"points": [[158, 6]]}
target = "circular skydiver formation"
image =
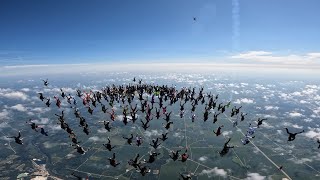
{"points": [[149, 109]]}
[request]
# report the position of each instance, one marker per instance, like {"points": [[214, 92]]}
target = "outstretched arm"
{"points": [[287, 131]]}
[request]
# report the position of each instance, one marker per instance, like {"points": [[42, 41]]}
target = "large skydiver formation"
{"points": [[162, 97]]}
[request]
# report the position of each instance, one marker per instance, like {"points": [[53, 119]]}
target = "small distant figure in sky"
{"points": [[194, 19]]}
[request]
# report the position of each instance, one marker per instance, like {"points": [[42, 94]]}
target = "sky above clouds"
{"points": [[226, 31]]}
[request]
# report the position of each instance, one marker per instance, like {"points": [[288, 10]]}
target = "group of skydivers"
{"points": [[160, 95]]}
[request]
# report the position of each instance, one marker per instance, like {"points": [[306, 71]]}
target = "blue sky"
{"points": [[66, 32]]}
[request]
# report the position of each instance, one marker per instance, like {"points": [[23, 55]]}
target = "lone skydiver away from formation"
{"points": [[167, 126], [318, 141], [108, 145], [17, 139], [226, 148], [292, 136], [113, 161]]}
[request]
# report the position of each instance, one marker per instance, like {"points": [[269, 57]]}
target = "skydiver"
{"points": [[33, 125], [41, 97], [61, 117], [292, 136], [69, 97], [42, 131], [63, 95], [194, 19], [58, 103], [45, 82], [152, 157], [184, 156], [48, 102], [106, 125], [144, 170], [74, 139], [103, 108], [251, 130], [167, 126], [187, 177], [79, 177], [226, 148], [155, 144], [145, 125], [242, 116], [129, 140], [138, 140], [86, 129], [220, 107], [260, 121], [17, 139], [79, 94], [215, 117], [80, 149], [90, 110], [181, 114], [113, 161], [157, 113], [246, 140], [134, 163], [175, 155], [76, 112], [167, 118], [218, 131], [134, 79], [164, 137], [318, 141], [206, 115], [108, 145], [193, 117]]}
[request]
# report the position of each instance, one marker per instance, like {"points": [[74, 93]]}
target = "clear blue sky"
{"points": [[65, 31]]}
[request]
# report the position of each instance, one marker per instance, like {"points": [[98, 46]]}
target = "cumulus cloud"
{"points": [[255, 176], [313, 134], [244, 100], [300, 161], [19, 107], [14, 95], [203, 158], [297, 126], [4, 114], [295, 114], [25, 89], [152, 133], [96, 139], [226, 133], [271, 108], [214, 172]]}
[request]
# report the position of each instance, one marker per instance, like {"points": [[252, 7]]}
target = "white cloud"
{"points": [[255, 176], [244, 100], [14, 95], [300, 161], [4, 114], [25, 89], [297, 126], [214, 172], [203, 158], [19, 107], [271, 108], [152, 133], [96, 138], [226, 133], [312, 134], [295, 114], [296, 93], [41, 121], [270, 116], [269, 57]]}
